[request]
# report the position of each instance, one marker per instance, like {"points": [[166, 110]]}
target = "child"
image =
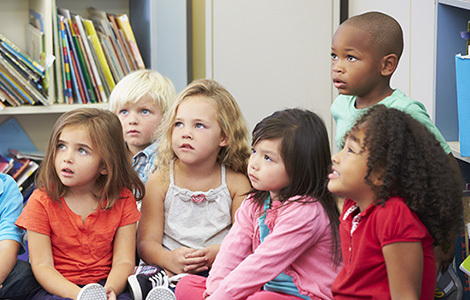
{"points": [[397, 203], [16, 278], [283, 244], [365, 53], [81, 221], [200, 184], [140, 100]]}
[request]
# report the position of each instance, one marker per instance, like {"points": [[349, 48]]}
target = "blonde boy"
{"points": [[140, 100]]}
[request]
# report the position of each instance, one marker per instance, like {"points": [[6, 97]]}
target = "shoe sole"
{"points": [[134, 287], [92, 291], [160, 293]]}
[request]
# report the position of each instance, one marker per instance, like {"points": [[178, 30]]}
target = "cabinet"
{"points": [[452, 18], [160, 28]]}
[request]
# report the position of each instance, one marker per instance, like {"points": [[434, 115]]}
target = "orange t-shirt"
{"points": [[82, 251]]}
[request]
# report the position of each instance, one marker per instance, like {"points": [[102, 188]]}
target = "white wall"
{"points": [[272, 54]]}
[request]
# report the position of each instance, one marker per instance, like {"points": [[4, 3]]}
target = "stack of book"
{"points": [[22, 168], [93, 54], [21, 78]]}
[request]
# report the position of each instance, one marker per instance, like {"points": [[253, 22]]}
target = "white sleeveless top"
{"points": [[196, 219]]}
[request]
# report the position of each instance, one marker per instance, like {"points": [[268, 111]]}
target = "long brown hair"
{"points": [[106, 135]]}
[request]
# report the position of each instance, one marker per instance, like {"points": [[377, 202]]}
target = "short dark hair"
{"points": [[385, 31]]}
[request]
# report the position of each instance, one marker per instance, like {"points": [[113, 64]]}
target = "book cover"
{"points": [[93, 37], [19, 65], [16, 87], [125, 25], [25, 84], [34, 65], [111, 57], [8, 97], [6, 164], [101, 93], [13, 136], [5, 87]]}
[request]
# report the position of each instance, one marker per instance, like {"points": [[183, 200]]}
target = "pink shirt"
{"points": [[299, 244], [82, 251]]}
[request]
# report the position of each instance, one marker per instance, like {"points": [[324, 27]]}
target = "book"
{"points": [[7, 97], [27, 171], [75, 61], [58, 63], [121, 43], [6, 164], [27, 85], [95, 42], [93, 64], [34, 65], [18, 90], [123, 22], [68, 78]]}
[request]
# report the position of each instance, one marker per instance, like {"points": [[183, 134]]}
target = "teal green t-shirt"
{"points": [[345, 114]]}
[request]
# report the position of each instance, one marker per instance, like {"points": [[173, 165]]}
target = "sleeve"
{"points": [[130, 213], [418, 111], [397, 223], [34, 216], [11, 205], [236, 246], [298, 226]]}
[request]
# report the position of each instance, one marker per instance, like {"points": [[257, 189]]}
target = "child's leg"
{"points": [[265, 295], [19, 283], [191, 287]]}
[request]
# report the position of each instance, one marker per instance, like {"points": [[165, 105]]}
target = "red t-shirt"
{"points": [[364, 275], [82, 251]]}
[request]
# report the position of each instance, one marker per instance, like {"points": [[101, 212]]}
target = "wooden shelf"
{"points": [[455, 146], [465, 4], [50, 109]]}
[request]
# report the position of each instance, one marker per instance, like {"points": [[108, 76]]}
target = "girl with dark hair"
{"points": [[284, 242], [400, 198]]}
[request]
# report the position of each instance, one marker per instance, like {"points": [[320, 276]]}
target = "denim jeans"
{"points": [[19, 283]]}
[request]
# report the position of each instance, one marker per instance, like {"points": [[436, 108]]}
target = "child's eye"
{"points": [[82, 151], [61, 146], [199, 125], [178, 124], [145, 111], [333, 56], [253, 151], [351, 58], [123, 112], [266, 157], [350, 150]]}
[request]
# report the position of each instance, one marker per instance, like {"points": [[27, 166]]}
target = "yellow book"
{"points": [[125, 25], [93, 37]]}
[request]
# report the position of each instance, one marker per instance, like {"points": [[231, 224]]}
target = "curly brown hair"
{"points": [[413, 166]]}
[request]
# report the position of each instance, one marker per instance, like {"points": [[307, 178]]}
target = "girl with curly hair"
{"points": [[400, 199], [191, 200]]}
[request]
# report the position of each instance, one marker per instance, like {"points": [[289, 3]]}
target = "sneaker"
{"points": [[141, 284], [160, 293], [92, 291]]}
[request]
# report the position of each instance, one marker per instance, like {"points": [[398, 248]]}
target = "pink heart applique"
{"points": [[198, 198]]}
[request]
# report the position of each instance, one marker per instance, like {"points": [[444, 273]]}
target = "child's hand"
{"points": [[180, 259], [208, 254], [110, 293]]}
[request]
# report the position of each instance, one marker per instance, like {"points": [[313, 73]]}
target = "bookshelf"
{"points": [[452, 18], [144, 17]]}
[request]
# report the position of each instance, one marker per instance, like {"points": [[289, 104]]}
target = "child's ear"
{"points": [[103, 170], [389, 64], [223, 140]]}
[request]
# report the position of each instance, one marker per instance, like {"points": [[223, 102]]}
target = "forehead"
{"points": [[197, 106], [348, 36], [75, 134]]}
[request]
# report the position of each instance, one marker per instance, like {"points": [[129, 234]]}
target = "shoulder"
{"points": [[400, 101], [341, 102], [236, 179]]}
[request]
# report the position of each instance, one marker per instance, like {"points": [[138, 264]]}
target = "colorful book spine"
{"points": [[101, 93], [35, 66], [93, 37], [124, 24], [68, 78]]}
